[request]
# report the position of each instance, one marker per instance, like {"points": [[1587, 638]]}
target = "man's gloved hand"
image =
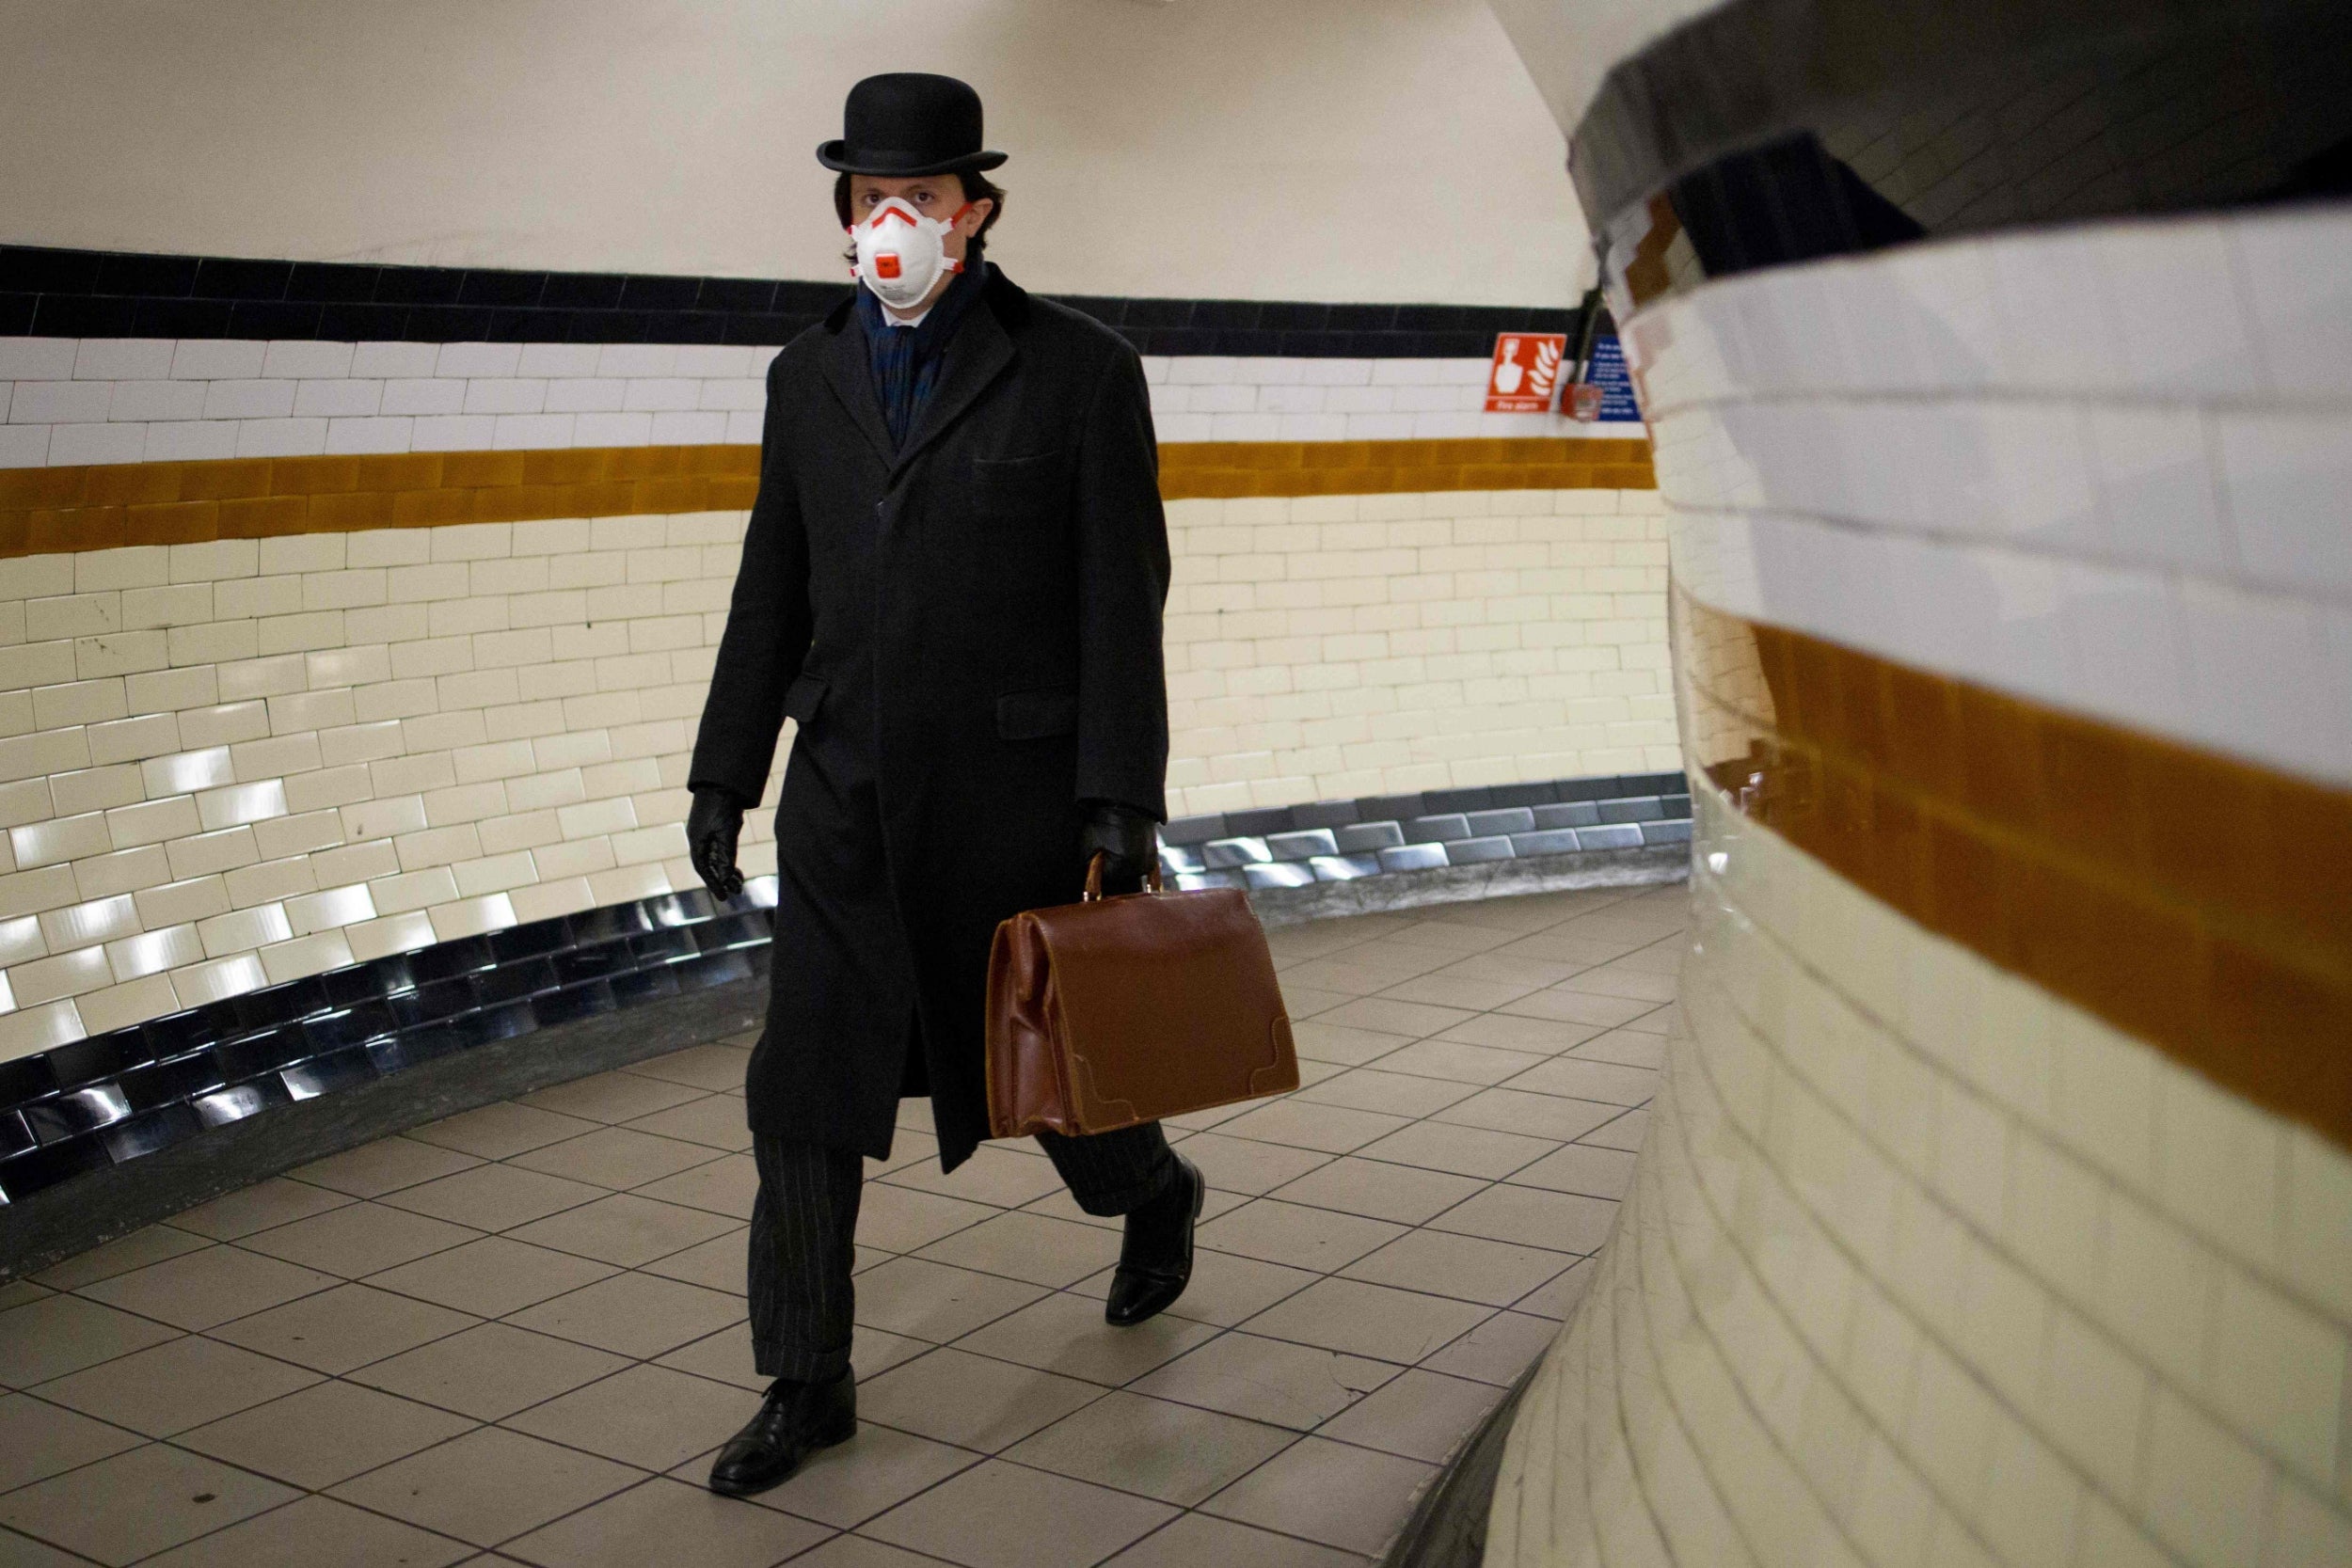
{"points": [[713, 825], [1126, 837]]}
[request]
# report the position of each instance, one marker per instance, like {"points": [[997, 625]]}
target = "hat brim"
{"points": [[840, 156]]}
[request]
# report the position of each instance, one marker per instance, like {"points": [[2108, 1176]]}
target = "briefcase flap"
{"points": [[1165, 1003]]}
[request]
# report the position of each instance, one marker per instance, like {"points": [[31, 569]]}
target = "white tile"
{"points": [[473, 359], [193, 441], [37, 358], [217, 359], [2161, 497], [2288, 478], [629, 360], [454, 432], [505, 395], [248, 399], [23, 446], [342, 398], [219, 980], [421, 395], [60, 401], [613, 430], [558, 359], [394, 359], [153, 952], [96, 443], [2127, 646], [688, 429], [2255, 663], [156, 399], [380, 434], [122, 359], [2299, 290], [2148, 269], [306, 359], [533, 432], [586, 394]]}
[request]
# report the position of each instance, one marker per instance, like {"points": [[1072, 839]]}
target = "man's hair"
{"points": [[977, 188]]}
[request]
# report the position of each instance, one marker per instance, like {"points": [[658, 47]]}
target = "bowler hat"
{"points": [[908, 124]]}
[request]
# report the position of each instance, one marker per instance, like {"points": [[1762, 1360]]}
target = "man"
{"points": [[953, 582]]}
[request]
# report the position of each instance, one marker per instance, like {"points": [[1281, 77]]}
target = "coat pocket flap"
{"points": [[803, 697], [1035, 715]]}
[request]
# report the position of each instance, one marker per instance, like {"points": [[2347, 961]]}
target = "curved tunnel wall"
{"points": [[1997, 1208]]}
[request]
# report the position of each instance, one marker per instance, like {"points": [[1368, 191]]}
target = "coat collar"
{"points": [[983, 348]]}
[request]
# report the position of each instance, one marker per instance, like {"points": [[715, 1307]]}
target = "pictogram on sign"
{"points": [[1526, 371]]}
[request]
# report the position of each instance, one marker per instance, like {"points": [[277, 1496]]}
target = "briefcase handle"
{"points": [[1094, 875]]}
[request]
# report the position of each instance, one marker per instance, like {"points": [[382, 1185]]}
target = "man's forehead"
{"points": [[888, 185]]}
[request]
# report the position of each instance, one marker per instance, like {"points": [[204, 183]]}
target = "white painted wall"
{"points": [[1330, 150]]}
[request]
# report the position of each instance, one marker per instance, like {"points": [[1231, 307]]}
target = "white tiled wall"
{"points": [[2107, 499], [65, 401], [1924, 1266], [1338, 645], [228, 765]]}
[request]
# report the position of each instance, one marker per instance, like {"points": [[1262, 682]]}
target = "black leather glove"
{"points": [[1126, 837], [713, 825]]}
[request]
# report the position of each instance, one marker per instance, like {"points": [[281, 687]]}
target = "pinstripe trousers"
{"points": [[804, 1224]]}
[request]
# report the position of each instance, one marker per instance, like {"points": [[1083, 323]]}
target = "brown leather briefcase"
{"points": [[1125, 1009]]}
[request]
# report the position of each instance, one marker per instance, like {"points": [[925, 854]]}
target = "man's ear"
{"points": [[975, 215]]}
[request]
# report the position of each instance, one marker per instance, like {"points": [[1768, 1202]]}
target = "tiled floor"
{"points": [[523, 1328]]}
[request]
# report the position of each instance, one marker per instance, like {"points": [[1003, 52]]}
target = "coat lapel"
{"points": [[850, 372], [976, 355]]}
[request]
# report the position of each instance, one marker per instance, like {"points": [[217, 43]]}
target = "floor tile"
{"points": [[998, 1174], [1531, 1216], [359, 1239], [1568, 1005], [21, 1293], [1325, 1040], [933, 1302], [1498, 1350], [1626, 979], [383, 1166], [1349, 1497], [1031, 1247], [698, 1066], [1364, 1319], [877, 1470], [900, 1219], [1246, 1166], [275, 1201], [611, 1097], [51, 1337], [1556, 1298], [1464, 1150], [342, 1328], [1534, 973], [1423, 1416], [1604, 1082], [634, 1315], [39, 1440], [668, 1521], [487, 1486], [1554, 1117], [1066, 1334], [715, 1121], [23, 1551], [1534, 1036], [720, 1264], [1468, 1268], [1626, 1132], [969, 1401], [1627, 1047], [1266, 1380], [326, 1432], [1289, 1233], [494, 1196], [1404, 1194], [908, 1147], [1479, 992], [1197, 1539], [999, 1515], [616, 1157], [202, 1289], [723, 1186], [649, 1416], [857, 1551], [1413, 1020], [1304, 1124], [489, 1373], [625, 1230], [1178, 1453], [495, 1131], [135, 1251], [1225, 1288], [170, 1387], [492, 1277], [311, 1532], [1456, 1062], [136, 1503], [1375, 1088]]}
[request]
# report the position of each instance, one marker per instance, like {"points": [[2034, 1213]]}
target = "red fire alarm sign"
{"points": [[1526, 371]]}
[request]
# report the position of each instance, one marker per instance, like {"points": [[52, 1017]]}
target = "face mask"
{"points": [[901, 253]]}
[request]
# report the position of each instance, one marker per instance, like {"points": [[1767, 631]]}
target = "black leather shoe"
{"points": [[1156, 1259], [794, 1422]]}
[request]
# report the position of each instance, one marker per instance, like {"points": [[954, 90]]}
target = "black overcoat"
{"points": [[967, 633]]}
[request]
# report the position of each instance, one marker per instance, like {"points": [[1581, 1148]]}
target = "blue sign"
{"points": [[1609, 373]]}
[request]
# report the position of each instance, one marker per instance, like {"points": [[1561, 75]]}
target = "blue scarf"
{"points": [[906, 359]]}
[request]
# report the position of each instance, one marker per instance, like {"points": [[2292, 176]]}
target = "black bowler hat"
{"points": [[908, 123]]}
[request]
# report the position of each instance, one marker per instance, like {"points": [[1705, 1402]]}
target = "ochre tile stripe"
{"points": [[45, 511], [2200, 903]]}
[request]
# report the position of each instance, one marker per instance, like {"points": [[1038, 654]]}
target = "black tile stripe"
{"points": [[92, 293]]}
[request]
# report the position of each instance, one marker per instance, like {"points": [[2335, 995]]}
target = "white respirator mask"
{"points": [[901, 253]]}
